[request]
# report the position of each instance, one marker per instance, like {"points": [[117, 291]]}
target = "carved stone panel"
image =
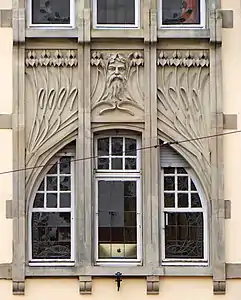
{"points": [[184, 111], [116, 86], [51, 102]]}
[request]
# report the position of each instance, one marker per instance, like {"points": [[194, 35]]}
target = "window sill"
{"points": [[106, 271], [191, 33], [49, 32], [117, 33]]}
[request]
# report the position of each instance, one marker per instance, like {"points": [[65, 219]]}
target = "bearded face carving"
{"points": [[117, 70]]}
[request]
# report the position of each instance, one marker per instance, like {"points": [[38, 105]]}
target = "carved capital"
{"points": [[219, 287], [152, 283], [18, 287], [85, 285]]}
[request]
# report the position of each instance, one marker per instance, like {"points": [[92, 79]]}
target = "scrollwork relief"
{"points": [[116, 82], [184, 105], [51, 100]]}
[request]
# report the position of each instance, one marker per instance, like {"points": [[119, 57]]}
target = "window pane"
{"points": [[117, 219], [183, 12], [51, 11], [195, 200], [52, 183], [169, 183], [64, 166], [39, 200], [65, 183], [103, 163], [169, 170], [52, 200], [130, 163], [103, 147], [53, 170], [41, 187], [169, 199], [184, 235], [130, 147], [116, 164], [182, 200], [117, 146], [116, 11], [51, 235], [182, 183], [65, 199]]}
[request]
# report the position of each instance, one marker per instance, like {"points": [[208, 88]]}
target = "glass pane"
{"points": [[116, 164], [103, 163], [41, 187], [169, 183], [184, 235], [181, 171], [195, 200], [65, 183], [182, 200], [52, 200], [169, 200], [180, 12], [39, 200], [52, 183], [51, 235], [182, 183], [130, 163], [64, 166], [51, 12], [117, 146], [116, 12], [130, 147], [117, 219], [53, 170], [193, 187], [103, 147], [65, 199], [169, 170]]}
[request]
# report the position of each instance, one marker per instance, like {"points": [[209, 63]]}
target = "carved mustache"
{"points": [[113, 77]]}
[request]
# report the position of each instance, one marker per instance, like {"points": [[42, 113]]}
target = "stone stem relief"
{"points": [[51, 99], [116, 81], [184, 104]]}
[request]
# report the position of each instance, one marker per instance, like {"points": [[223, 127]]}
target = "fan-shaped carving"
{"points": [[184, 104]]}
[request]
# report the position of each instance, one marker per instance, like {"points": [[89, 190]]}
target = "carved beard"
{"points": [[116, 87]]}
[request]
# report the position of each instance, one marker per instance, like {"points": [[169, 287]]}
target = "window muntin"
{"points": [[117, 14], [51, 13], [184, 218], [117, 154], [118, 200], [182, 13], [52, 215]]}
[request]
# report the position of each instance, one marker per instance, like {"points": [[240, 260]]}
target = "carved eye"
{"points": [[111, 68], [121, 69]]}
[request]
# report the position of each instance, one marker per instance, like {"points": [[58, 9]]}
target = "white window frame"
{"points": [[53, 26], [117, 26], [58, 262], [201, 25], [188, 262], [120, 175]]}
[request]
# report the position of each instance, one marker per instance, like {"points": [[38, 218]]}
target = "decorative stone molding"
{"points": [[51, 97], [152, 283], [85, 285], [183, 58], [219, 287], [117, 82], [18, 287], [47, 58], [184, 110]]}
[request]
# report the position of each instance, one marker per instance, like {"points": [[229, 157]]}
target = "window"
{"points": [[51, 216], [118, 200], [183, 214], [117, 13], [51, 13], [184, 13]]}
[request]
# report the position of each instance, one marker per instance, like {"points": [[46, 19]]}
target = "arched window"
{"points": [[118, 199], [184, 212], [51, 215]]}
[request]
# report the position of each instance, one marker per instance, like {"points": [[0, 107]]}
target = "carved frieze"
{"points": [[116, 81], [184, 111], [51, 100]]}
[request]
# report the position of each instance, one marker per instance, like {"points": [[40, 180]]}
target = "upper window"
{"points": [[184, 13], [184, 215], [51, 13], [118, 200], [51, 215], [116, 13]]}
